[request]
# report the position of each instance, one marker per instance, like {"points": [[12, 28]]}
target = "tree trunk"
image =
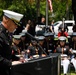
{"points": [[38, 8], [67, 10]]}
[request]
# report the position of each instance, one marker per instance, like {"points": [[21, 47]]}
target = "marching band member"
{"points": [[73, 46], [65, 53]]}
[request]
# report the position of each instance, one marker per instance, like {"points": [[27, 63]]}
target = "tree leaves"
{"points": [[61, 8]]}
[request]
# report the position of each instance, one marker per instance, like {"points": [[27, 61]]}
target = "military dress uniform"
{"points": [[49, 42], [73, 41], [65, 52], [5, 51], [6, 40], [16, 50], [23, 44], [32, 48], [73, 46], [41, 47]]}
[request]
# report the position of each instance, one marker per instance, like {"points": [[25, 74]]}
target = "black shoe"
{"points": [[64, 74]]}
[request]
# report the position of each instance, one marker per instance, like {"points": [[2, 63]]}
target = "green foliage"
{"points": [[28, 8], [60, 9], [43, 7], [60, 13]]}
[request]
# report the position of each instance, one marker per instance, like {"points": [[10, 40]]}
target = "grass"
{"points": [[71, 73]]}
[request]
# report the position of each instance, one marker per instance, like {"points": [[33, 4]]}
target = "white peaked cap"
{"points": [[24, 31], [15, 17], [62, 38]]}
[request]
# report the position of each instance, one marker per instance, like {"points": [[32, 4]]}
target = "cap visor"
{"points": [[17, 23]]}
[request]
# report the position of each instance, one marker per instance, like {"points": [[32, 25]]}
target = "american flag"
{"points": [[50, 5]]}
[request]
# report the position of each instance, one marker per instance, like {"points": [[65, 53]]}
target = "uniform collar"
{"points": [[3, 29]]}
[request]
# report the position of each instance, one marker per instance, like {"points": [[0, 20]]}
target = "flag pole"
{"points": [[46, 12]]}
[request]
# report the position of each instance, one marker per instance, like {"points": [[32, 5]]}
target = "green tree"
{"points": [[61, 8]]}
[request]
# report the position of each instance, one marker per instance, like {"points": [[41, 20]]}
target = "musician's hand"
{"points": [[16, 62], [43, 55]]}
